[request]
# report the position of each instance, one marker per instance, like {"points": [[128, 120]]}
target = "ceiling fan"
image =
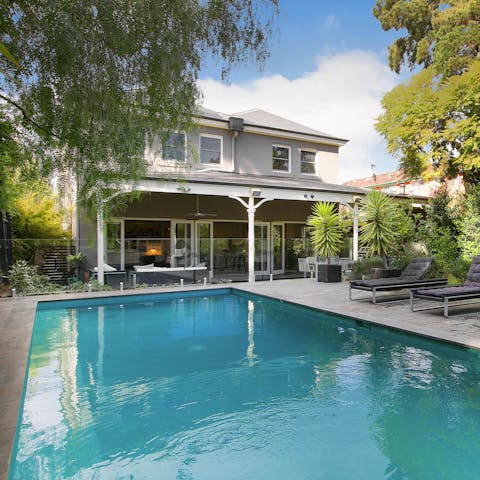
{"points": [[199, 214]]}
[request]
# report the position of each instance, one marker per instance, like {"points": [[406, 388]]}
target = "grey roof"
{"points": [[261, 118], [230, 178], [207, 113]]}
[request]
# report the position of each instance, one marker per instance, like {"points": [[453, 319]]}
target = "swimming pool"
{"points": [[224, 385]]}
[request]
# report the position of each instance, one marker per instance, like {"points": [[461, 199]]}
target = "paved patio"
{"points": [[17, 316]]}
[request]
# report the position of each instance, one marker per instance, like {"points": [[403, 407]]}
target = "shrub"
{"points": [[364, 267], [469, 226], [379, 220], [27, 281]]}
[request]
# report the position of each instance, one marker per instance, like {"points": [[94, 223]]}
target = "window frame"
{"points": [[289, 148], [309, 150], [210, 135], [184, 148]]}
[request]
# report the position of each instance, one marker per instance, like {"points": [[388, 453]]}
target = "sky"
{"points": [[328, 69]]}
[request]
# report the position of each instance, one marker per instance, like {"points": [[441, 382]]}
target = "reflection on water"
{"points": [[229, 387]]}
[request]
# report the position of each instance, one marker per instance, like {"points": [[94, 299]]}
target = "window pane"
{"points": [[279, 164], [307, 162], [207, 156], [308, 168], [208, 143], [308, 156], [280, 152], [210, 150], [174, 147], [281, 157]]}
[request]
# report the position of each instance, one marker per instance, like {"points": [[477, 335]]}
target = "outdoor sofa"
{"points": [[410, 278], [464, 294], [151, 275], [112, 276]]}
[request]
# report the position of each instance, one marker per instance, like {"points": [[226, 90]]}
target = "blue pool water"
{"points": [[229, 386]]}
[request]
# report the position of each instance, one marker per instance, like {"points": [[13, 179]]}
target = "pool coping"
{"points": [[17, 317]]}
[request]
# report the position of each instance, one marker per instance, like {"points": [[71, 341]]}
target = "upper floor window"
{"points": [[173, 147], [211, 149], [307, 162], [281, 158]]}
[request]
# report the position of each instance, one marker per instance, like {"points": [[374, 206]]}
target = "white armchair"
{"points": [[306, 265]]}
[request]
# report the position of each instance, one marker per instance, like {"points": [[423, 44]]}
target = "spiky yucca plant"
{"points": [[378, 220], [325, 229]]}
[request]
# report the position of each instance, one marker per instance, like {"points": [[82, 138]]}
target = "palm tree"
{"points": [[325, 229], [378, 219]]}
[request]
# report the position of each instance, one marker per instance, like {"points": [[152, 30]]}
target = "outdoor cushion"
{"points": [[413, 272], [106, 268], [416, 268], [473, 275], [448, 291], [148, 266]]}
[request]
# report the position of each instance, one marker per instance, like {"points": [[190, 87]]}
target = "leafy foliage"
{"points": [[27, 281], [35, 214], [378, 225], [25, 278], [446, 35], [97, 80], [469, 226], [432, 125], [9, 158], [77, 260], [325, 227], [364, 266], [431, 122]]}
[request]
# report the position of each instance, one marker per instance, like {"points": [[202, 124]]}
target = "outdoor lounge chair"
{"points": [[410, 278], [461, 294]]}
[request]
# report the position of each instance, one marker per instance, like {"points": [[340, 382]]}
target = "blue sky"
{"points": [[330, 59]]}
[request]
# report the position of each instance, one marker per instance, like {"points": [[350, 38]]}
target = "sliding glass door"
{"points": [[182, 252]]}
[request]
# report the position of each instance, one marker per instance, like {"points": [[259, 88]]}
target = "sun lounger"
{"points": [[411, 277], [465, 294]]}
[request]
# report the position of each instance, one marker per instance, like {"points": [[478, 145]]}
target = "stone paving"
{"points": [[17, 317]]}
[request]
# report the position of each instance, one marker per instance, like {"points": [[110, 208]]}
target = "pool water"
{"points": [[229, 386]]}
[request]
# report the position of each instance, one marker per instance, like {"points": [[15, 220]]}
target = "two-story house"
{"points": [[234, 195]]}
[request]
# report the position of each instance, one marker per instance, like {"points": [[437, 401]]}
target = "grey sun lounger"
{"points": [[465, 294], [411, 277]]}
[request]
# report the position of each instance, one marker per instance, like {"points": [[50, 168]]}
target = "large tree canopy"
{"points": [[432, 122], [96, 78]]}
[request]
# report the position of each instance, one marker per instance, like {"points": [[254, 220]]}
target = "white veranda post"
{"points": [[251, 206], [355, 231], [101, 234], [251, 239], [100, 244]]}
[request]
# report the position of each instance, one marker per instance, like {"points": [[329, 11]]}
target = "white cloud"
{"points": [[340, 97]]}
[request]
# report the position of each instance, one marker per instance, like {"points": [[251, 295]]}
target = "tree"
{"points": [[96, 79], [443, 34], [325, 228], [431, 122], [35, 217], [469, 226], [378, 225], [439, 232], [9, 158]]}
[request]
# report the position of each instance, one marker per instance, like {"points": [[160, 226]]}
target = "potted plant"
{"points": [[77, 261], [378, 231], [325, 228]]}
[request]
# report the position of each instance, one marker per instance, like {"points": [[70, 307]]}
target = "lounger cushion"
{"points": [[417, 268], [414, 271], [473, 275], [448, 291], [380, 282]]}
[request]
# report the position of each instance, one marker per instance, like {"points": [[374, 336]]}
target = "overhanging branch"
{"points": [[27, 117]]}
